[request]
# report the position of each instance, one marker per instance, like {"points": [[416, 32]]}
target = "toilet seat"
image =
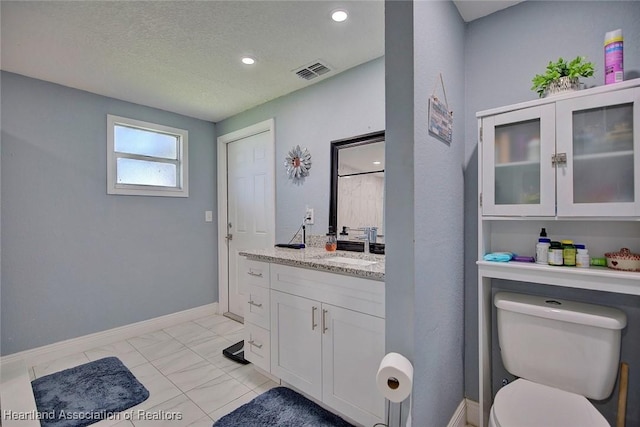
{"points": [[523, 403]]}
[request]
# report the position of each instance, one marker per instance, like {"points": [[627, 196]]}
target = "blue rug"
{"points": [[281, 407], [87, 393]]}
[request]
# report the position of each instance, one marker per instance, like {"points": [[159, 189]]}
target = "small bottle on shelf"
{"points": [[555, 254], [568, 253], [582, 257], [542, 250]]}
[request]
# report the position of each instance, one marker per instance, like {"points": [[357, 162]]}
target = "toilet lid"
{"points": [[527, 404]]}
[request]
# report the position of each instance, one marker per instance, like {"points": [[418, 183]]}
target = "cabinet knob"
{"points": [[254, 304], [251, 273]]}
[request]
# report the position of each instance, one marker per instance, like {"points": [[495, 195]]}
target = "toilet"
{"points": [[563, 353]]}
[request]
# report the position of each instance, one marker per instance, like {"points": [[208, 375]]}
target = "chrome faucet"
{"points": [[370, 236]]}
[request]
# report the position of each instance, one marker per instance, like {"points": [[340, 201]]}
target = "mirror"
{"points": [[357, 185]]}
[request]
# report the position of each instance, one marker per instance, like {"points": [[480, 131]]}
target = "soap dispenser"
{"points": [[344, 235]]}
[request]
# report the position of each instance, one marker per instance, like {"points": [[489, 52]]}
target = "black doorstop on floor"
{"points": [[236, 353]]}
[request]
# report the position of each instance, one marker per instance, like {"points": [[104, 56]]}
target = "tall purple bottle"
{"points": [[613, 57]]}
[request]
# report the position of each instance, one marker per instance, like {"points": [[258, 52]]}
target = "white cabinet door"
{"points": [[600, 135], [352, 348], [296, 342], [518, 178]]}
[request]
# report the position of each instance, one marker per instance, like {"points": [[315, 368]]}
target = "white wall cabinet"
{"points": [[592, 197], [586, 146], [325, 335]]}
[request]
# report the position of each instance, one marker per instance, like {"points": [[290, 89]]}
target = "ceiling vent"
{"points": [[315, 69]]}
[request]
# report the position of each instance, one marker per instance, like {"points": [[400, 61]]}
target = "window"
{"points": [[146, 159]]}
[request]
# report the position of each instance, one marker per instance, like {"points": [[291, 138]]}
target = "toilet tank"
{"points": [[563, 344]]}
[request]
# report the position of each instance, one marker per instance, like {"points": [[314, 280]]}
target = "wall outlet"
{"points": [[308, 217]]}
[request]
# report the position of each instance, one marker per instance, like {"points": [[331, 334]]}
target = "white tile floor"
{"points": [[184, 370]]}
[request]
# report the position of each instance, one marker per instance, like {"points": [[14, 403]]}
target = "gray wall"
{"points": [[75, 260], [503, 52], [425, 216], [349, 104], [399, 182]]}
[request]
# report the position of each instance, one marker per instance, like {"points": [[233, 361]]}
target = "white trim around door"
{"points": [[223, 253]]}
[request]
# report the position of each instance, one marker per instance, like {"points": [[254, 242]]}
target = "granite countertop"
{"points": [[319, 259]]}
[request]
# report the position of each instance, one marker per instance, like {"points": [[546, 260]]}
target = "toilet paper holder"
{"points": [[395, 382], [387, 424]]}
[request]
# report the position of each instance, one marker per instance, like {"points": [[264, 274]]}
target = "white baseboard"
{"points": [[459, 418], [473, 412], [467, 413], [16, 395], [65, 348]]}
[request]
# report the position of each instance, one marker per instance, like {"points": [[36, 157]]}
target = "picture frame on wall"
{"points": [[440, 120]]}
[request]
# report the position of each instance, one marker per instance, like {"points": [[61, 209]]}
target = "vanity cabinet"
{"points": [[569, 164], [567, 156], [320, 332], [330, 353], [327, 335]]}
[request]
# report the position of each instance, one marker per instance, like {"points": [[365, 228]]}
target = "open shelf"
{"points": [[593, 278]]}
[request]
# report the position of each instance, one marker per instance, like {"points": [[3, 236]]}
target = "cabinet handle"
{"points": [[313, 318], [251, 273], [324, 321], [253, 343], [254, 304]]}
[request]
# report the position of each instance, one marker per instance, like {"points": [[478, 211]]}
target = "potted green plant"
{"points": [[562, 76]]}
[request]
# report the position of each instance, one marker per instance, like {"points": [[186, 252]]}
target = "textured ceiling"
{"points": [[184, 56]]}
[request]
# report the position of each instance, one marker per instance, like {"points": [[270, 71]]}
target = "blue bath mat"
{"points": [[281, 407], [87, 393]]}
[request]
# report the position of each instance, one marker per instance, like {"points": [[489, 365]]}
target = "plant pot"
{"points": [[562, 85]]}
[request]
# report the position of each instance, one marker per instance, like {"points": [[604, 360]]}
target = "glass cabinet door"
{"points": [[517, 180], [599, 134]]}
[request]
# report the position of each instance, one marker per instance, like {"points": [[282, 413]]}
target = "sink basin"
{"points": [[350, 261]]}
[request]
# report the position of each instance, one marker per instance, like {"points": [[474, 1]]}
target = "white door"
{"points": [[247, 213]]}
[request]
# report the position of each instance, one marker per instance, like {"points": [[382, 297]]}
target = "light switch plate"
{"points": [[208, 216]]}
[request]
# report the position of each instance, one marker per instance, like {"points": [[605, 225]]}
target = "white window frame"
{"points": [[182, 171]]}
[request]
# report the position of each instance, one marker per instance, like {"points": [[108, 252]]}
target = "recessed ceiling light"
{"points": [[377, 162], [339, 15], [248, 60]]}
